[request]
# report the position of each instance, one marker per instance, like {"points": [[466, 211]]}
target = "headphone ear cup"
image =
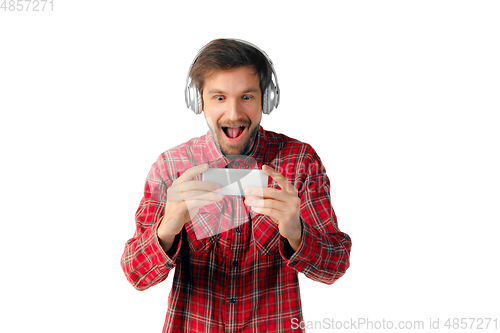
{"points": [[269, 98], [265, 105], [193, 98], [198, 102], [190, 97]]}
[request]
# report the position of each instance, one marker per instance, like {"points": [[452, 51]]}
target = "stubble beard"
{"points": [[240, 148]]}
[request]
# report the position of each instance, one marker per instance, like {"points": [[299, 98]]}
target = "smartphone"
{"points": [[235, 181]]}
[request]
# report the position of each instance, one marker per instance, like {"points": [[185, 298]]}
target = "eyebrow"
{"points": [[217, 91]]}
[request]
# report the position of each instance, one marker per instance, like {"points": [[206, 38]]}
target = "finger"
{"points": [[201, 195], [274, 193], [191, 172], [254, 191], [273, 214], [266, 203], [178, 196], [266, 193], [278, 177], [198, 185], [196, 204]]}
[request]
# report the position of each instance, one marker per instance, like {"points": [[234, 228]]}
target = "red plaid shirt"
{"points": [[234, 272]]}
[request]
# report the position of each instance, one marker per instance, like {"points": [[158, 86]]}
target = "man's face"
{"points": [[232, 106]]}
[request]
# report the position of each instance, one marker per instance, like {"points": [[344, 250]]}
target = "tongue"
{"points": [[233, 132]]}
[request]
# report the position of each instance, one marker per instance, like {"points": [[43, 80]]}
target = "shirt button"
{"points": [[235, 263], [238, 230], [236, 163], [232, 301]]}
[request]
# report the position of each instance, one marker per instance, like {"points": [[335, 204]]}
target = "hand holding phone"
{"points": [[185, 197]]}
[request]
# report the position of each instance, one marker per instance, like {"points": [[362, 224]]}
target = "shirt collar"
{"points": [[217, 160]]}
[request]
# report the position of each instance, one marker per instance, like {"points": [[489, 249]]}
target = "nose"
{"points": [[234, 110]]}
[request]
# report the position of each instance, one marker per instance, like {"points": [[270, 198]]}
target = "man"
{"points": [[236, 258]]}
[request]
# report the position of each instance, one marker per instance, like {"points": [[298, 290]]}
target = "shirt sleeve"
{"points": [[323, 253], [144, 261]]}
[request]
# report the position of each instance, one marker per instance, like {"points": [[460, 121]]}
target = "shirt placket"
{"points": [[237, 241]]}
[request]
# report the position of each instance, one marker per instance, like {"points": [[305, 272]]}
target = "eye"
{"points": [[219, 98], [246, 98]]}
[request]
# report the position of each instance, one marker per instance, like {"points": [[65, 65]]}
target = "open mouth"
{"points": [[233, 132]]}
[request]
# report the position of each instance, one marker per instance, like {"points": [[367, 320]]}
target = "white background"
{"points": [[399, 98]]}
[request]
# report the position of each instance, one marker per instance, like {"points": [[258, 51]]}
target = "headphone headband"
{"points": [[271, 95]]}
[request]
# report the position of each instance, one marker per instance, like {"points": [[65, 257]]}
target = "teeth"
{"points": [[225, 127]]}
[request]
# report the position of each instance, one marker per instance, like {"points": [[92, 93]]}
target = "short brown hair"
{"points": [[223, 54]]}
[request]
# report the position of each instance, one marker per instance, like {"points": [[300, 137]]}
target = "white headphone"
{"points": [[271, 97]]}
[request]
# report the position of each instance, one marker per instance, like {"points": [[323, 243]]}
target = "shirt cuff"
{"points": [[297, 259], [162, 258]]}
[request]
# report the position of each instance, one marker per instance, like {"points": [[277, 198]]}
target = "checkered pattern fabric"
{"points": [[244, 279]]}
